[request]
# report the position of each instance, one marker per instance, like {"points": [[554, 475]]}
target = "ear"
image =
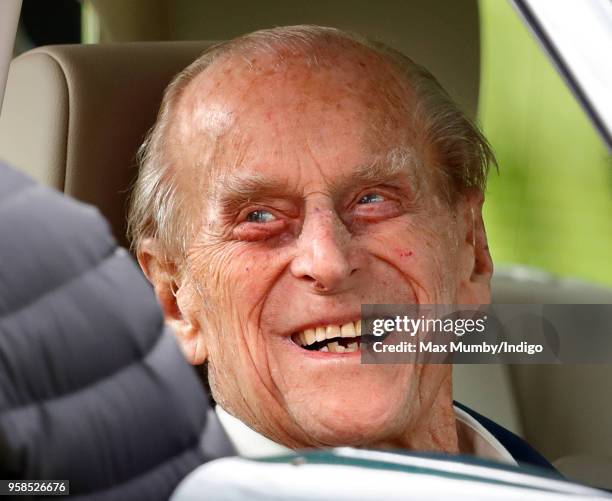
{"points": [[177, 299], [476, 263]]}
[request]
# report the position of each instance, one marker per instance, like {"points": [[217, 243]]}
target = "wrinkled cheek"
{"points": [[424, 256], [234, 283], [237, 276], [436, 276]]}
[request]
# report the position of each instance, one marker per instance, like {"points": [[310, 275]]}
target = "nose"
{"points": [[323, 259]]}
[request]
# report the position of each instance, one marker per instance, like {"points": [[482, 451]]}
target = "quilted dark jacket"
{"points": [[93, 388]]}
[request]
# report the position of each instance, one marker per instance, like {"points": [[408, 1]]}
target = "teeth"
{"points": [[348, 330], [325, 348], [352, 347], [309, 336], [335, 347], [320, 333], [332, 331]]}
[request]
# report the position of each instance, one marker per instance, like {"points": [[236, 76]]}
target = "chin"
{"points": [[341, 421]]}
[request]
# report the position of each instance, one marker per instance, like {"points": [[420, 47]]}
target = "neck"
{"points": [[434, 427]]}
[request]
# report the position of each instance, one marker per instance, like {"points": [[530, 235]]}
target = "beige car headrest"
{"points": [[74, 115]]}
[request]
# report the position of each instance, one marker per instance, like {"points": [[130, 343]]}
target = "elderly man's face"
{"points": [[312, 197]]}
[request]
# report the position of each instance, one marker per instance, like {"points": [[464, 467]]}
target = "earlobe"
{"points": [[175, 300], [192, 345], [187, 329]]}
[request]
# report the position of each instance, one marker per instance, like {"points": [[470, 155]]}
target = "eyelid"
{"points": [[387, 192], [243, 213], [254, 231], [259, 210], [371, 193], [393, 204], [280, 208]]}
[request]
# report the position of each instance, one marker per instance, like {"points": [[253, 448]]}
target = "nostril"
{"points": [[319, 286]]}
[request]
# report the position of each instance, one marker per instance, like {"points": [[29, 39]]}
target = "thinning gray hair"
{"points": [[157, 206]]}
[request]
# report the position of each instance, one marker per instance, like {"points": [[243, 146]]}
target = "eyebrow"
{"points": [[385, 167], [235, 189]]}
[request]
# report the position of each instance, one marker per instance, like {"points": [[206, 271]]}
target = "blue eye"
{"points": [[260, 216], [371, 198]]}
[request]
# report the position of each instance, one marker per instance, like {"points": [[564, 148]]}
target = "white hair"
{"points": [[158, 207]]}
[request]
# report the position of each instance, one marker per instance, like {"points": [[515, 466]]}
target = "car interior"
{"points": [[73, 116]]}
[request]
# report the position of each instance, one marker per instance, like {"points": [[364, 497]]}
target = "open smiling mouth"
{"points": [[345, 338]]}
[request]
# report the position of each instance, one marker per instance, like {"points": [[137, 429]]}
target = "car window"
{"points": [[550, 205]]}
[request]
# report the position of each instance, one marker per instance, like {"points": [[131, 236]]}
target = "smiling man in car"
{"points": [[293, 175]]}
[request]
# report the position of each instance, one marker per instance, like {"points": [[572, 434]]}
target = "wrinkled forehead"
{"points": [[340, 106]]}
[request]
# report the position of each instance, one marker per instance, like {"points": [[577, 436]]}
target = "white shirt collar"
{"points": [[486, 446], [249, 443]]}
